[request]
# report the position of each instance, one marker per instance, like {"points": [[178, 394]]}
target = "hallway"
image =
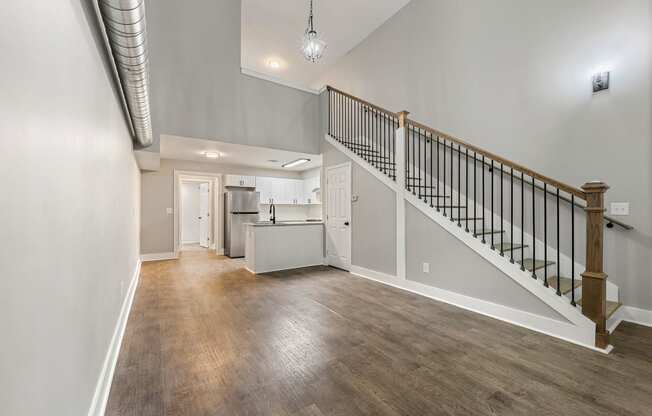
{"points": [[205, 337]]}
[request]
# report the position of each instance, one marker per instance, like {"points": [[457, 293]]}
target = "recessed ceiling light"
{"points": [[212, 155], [273, 63], [273, 161], [295, 163]]}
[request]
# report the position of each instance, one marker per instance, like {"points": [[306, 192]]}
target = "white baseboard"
{"points": [[630, 314], [220, 252], [562, 330], [158, 256], [103, 386]]}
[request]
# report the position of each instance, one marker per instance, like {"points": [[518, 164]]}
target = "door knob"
{"points": [[346, 223]]}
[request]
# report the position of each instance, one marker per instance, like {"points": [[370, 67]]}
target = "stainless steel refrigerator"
{"points": [[240, 207]]}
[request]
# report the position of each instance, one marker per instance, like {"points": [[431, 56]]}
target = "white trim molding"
{"points": [[103, 386], [563, 330], [255, 74], [630, 314], [158, 256]]}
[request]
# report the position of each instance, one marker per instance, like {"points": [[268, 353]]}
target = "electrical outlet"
{"points": [[426, 267], [619, 208], [169, 211]]}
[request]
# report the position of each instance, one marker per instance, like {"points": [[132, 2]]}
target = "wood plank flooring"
{"points": [[205, 337]]}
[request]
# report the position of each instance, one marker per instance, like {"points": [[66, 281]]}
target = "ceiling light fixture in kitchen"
{"points": [[295, 163]]}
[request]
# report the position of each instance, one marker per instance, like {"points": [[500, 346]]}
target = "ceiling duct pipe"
{"points": [[126, 32]]}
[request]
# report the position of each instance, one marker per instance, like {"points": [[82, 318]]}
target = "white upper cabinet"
{"points": [[264, 186], [240, 181], [287, 191]]}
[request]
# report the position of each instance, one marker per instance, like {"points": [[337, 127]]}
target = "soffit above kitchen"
{"points": [[202, 150], [272, 32]]}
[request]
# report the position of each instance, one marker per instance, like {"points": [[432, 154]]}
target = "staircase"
{"points": [[545, 228]]}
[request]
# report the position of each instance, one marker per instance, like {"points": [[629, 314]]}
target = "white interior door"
{"points": [[204, 214], [338, 216]]}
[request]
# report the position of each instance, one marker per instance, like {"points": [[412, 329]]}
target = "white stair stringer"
{"points": [[578, 329]]}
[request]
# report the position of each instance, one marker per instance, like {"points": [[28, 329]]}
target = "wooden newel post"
{"points": [[594, 280], [402, 117]]}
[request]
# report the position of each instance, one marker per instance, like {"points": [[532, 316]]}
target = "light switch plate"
{"points": [[169, 211], [619, 208], [426, 267]]}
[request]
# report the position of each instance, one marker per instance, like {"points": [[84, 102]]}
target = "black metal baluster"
{"points": [[511, 215], [414, 164], [493, 247], [475, 196], [558, 251], [466, 193], [545, 233], [534, 231], [573, 250], [502, 215], [459, 184], [330, 100], [432, 173], [350, 118], [407, 157], [484, 241], [419, 159], [426, 190], [522, 221], [452, 176], [385, 142], [438, 186], [444, 199]]}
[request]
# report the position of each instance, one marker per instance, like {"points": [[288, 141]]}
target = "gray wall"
{"points": [[455, 267], [514, 77], [198, 91], [70, 209], [157, 232], [373, 216]]}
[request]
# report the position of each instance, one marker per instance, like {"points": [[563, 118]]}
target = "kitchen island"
{"points": [[284, 245]]}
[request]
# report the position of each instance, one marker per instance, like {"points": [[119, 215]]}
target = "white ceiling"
{"points": [[273, 30], [187, 148]]}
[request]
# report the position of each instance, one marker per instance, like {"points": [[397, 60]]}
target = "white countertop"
{"points": [[283, 223]]}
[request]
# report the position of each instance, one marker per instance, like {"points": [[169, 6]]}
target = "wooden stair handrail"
{"points": [[543, 178], [361, 101]]}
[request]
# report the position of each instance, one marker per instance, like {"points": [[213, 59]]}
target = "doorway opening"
{"points": [[196, 214], [195, 211]]}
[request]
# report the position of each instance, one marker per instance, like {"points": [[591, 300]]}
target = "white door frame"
{"points": [[325, 194], [213, 180]]}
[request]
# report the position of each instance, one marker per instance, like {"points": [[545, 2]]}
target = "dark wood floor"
{"points": [[206, 337]]}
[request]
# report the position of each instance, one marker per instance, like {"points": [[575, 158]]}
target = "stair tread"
{"points": [[564, 284], [611, 307], [509, 247], [531, 264], [488, 231]]}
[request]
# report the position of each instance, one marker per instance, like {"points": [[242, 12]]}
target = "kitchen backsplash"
{"points": [[291, 212]]}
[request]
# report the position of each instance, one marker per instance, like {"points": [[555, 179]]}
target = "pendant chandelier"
{"points": [[312, 46]]}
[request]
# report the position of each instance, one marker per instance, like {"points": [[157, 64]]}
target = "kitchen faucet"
{"points": [[272, 212]]}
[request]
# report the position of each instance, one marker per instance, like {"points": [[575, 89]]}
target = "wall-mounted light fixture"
{"points": [[600, 81]]}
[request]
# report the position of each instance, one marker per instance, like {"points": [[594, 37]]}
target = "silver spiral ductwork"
{"points": [[124, 21]]}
